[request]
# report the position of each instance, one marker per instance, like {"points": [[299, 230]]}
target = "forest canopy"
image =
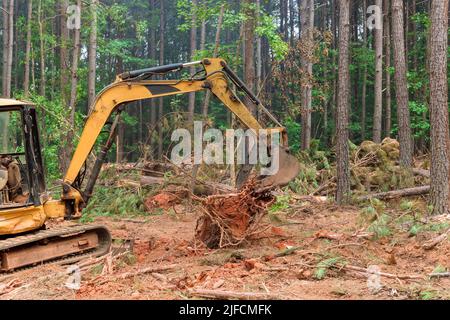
{"points": [[60, 54]]}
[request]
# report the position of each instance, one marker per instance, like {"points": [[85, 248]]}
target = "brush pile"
{"points": [[375, 167]]}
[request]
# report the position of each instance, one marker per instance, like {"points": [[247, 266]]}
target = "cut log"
{"points": [[149, 180], [421, 172], [416, 191]]}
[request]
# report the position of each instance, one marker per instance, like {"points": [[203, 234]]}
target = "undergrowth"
{"points": [[115, 201]]}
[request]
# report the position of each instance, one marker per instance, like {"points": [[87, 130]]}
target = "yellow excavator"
{"points": [[25, 204]]}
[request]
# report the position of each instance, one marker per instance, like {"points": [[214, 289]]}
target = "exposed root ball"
{"points": [[229, 219]]}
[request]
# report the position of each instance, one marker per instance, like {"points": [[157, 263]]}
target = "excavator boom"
{"points": [[130, 86]]}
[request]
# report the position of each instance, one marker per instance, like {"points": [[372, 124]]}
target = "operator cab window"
{"points": [[14, 191]]}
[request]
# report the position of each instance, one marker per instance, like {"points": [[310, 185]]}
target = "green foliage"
{"points": [[326, 264], [293, 131], [406, 205], [281, 203], [53, 119], [427, 295], [108, 201], [269, 29], [380, 227]]}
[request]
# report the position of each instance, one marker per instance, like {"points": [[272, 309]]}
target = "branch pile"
{"points": [[374, 167]]}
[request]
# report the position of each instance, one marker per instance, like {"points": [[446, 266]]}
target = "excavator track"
{"points": [[68, 244]]}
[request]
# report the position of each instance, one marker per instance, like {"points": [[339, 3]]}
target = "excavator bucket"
{"points": [[288, 169]]}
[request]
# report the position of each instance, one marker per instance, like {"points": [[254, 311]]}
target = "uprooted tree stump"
{"points": [[231, 218]]}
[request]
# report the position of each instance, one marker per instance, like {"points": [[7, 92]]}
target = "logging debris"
{"points": [[232, 218]]}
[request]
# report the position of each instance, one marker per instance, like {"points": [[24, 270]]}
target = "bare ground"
{"points": [[303, 256]]}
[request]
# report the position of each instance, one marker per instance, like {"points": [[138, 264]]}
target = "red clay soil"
{"points": [[284, 261]]}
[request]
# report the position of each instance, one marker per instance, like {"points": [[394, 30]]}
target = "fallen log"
{"points": [[421, 172], [430, 244], [231, 295], [150, 180], [397, 193]]}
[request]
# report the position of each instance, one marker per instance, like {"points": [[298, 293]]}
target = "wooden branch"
{"points": [[397, 193], [430, 244], [287, 252], [384, 274], [439, 274], [127, 275], [231, 295]]}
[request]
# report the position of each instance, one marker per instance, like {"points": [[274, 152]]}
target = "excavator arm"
{"points": [[137, 85], [73, 242]]}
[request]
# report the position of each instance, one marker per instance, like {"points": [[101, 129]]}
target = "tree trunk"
{"points": [[161, 62], [291, 21], [120, 124], [73, 90], [387, 31], [307, 39], [26, 80], [378, 104], [249, 54], [364, 81], [342, 121], [283, 18], [64, 63], [5, 46], [152, 55], [9, 35], [259, 47], [215, 52], [404, 127], [439, 192], [42, 83], [17, 43], [92, 55], [193, 41], [334, 29], [203, 36]]}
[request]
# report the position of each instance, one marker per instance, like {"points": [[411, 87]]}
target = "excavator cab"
{"points": [[22, 181]]}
